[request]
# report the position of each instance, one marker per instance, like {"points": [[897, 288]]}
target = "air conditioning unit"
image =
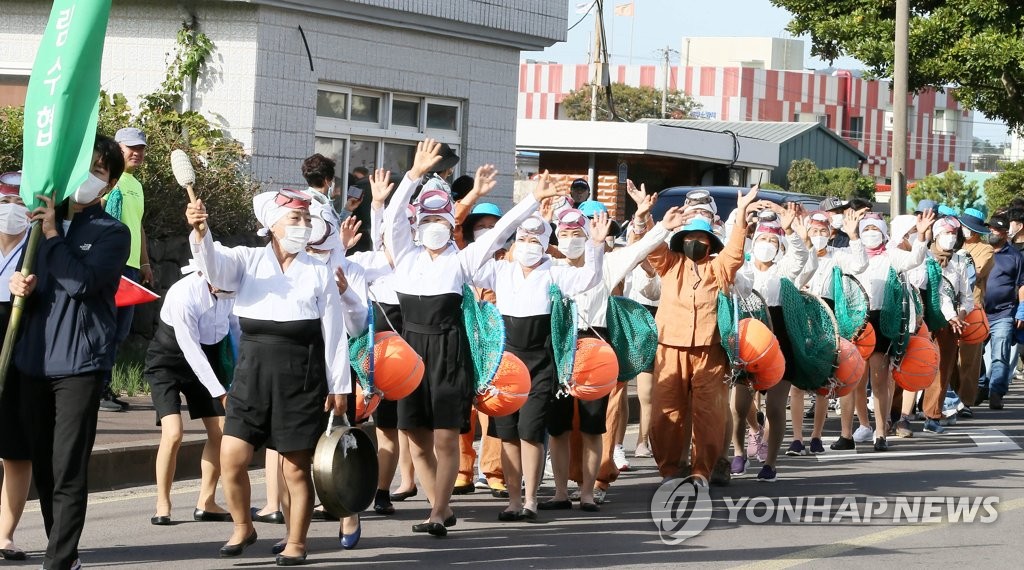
{"points": [[811, 118], [887, 121]]}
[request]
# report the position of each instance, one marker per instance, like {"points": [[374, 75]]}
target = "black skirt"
{"points": [[13, 439], [529, 338], [785, 344], [170, 376], [592, 414], [433, 327], [882, 342], [280, 386], [386, 414]]}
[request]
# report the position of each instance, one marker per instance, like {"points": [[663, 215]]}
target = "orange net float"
{"points": [[755, 342], [365, 406], [771, 372], [508, 390], [398, 370], [976, 331], [849, 370], [916, 371], [923, 331], [865, 340], [595, 371]]}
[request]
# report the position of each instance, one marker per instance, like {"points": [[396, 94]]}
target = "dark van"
{"points": [[725, 198]]}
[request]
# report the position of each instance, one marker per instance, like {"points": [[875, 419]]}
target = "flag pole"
{"points": [[632, 27], [18, 305]]}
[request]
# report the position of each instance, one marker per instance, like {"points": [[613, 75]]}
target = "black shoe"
{"points": [[510, 516], [965, 413], [589, 507], [206, 516], [499, 493], [399, 497], [843, 444], [13, 555], [160, 520], [230, 550], [995, 402], [982, 396], [109, 405], [322, 515], [450, 521], [124, 405], [278, 548], [382, 503], [466, 489], [276, 517], [425, 527], [880, 444], [283, 560], [528, 515], [437, 529], [553, 505]]}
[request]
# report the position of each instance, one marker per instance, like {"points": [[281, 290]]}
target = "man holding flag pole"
{"points": [[70, 270]]}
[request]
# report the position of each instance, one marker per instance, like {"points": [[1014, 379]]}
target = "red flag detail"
{"points": [[131, 293]]}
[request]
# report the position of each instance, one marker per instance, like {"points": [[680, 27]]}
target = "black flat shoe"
{"points": [[510, 516], [880, 444], [553, 505], [160, 520], [283, 560], [14, 555], [528, 515], [437, 529], [450, 521], [499, 493], [382, 503], [230, 550], [278, 548], [206, 516], [399, 497], [321, 515], [466, 489], [276, 517], [590, 507]]}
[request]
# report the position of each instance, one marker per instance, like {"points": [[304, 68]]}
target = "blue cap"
{"points": [[925, 205], [945, 210], [486, 209], [696, 225], [130, 136], [974, 220], [591, 208]]}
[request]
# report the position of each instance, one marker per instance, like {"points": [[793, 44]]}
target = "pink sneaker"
{"points": [[762, 446], [755, 442]]}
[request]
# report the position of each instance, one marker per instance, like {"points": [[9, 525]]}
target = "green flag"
{"points": [[62, 103]]}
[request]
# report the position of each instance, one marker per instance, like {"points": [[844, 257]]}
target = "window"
{"points": [[12, 89], [944, 122], [377, 129], [856, 131]]}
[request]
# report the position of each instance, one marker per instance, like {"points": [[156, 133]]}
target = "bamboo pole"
{"points": [[18, 304]]}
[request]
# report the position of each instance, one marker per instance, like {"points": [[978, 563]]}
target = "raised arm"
{"points": [[185, 317]]}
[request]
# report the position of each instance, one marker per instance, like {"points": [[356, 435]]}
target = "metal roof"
{"points": [[777, 132]]}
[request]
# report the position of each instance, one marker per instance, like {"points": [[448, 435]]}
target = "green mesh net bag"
{"points": [[932, 298], [851, 303], [361, 356], [564, 332], [896, 313], [731, 310], [813, 334], [486, 332], [633, 335], [225, 369]]}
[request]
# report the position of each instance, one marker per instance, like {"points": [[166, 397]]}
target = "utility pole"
{"points": [[599, 73], [666, 68], [898, 195]]}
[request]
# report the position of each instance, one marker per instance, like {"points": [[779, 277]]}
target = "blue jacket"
{"points": [[70, 319], [1004, 283]]}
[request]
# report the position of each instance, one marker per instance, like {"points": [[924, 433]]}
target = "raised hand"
{"points": [[676, 217], [800, 228], [637, 194], [350, 235], [851, 221], [644, 206], [547, 209], [924, 223], [743, 202], [341, 280], [380, 187], [196, 215], [428, 153], [599, 227], [485, 181], [547, 189], [788, 215]]}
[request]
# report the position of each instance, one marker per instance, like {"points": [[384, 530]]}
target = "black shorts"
{"points": [[881, 342], [785, 344], [593, 415], [13, 437], [386, 415], [280, 386], [530, 422], [167, 389]]}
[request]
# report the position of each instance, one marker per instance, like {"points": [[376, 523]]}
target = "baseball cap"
{"points": [[999, 222], [130, 136], [925, 205], [833, 204]]}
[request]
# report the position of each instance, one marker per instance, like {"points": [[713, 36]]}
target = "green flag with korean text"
{"points": [[62, 103]]}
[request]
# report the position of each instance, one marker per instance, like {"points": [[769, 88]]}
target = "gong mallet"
{"points": [[181, 166]]}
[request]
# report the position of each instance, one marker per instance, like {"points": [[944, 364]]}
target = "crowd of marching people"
{"points": [[526, 324]]}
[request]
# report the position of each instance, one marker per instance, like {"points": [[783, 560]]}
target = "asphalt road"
{"points": [[977, 459]]}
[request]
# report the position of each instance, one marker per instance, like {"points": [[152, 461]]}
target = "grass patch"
{"points": [[126, 377]]}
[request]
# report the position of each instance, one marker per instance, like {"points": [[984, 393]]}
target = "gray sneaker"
{"points": [[903, 428]]}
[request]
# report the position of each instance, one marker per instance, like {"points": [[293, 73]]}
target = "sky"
{"points": [[661, 23]]}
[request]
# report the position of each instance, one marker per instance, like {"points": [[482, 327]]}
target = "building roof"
{"points": [[777, 132], [644, 138]]}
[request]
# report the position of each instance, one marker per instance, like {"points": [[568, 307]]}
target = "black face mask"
{"points": [[695, 250]]}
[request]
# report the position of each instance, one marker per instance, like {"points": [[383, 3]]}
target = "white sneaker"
{"points": [[77, 564], [619, 457], [481, 483], [863, 434], [600, 496], [549, 471]]}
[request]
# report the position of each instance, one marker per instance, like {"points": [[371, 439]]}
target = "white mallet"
{"points": [[181, 166]]}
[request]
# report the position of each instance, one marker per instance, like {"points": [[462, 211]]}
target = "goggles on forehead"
{"points": [[292, 199], [698, 197], [572, 219], [533, 226], [819, 218], [872, 216], [435, 202], [767, 216], [10, 178]]}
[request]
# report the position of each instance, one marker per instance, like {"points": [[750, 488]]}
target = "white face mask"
{"points": [[765, 251], [323, 256], [13, 218], [528, 253], [819, 242], [837, 221], [573, 248], [89, 190], [946, 242], [434, 235], [871, 238], [295, 238], [225, 295], [480, 232]]}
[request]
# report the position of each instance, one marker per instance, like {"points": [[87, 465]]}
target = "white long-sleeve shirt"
{"points": [[768, 282], [307, 290], [956, 271], [9, 264], [417, 273], [874, 277], [198, 317], [850, 260], [354, 299], [642, 288]]}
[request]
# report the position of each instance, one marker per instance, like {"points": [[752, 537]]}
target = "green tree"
{"points": [[1005, 186], [951, 189], [976, 46], [848, 183], [805, 178], [631, 103]]}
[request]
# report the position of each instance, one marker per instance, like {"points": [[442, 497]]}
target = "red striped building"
{"points": [[941, 131]]}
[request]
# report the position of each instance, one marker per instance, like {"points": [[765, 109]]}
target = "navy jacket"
{"points": [[1004, 283], [70, 319]]}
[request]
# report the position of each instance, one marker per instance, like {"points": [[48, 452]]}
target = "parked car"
{"points": [[725, 198]]}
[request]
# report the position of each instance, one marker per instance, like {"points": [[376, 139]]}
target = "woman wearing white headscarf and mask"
{"points": [[874, 233], [429, 280], [522, 290], [293, 357]]}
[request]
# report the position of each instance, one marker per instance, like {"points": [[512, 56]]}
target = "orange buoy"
{"points": [[767, 359], [755, 340], [398, 370], [508, 390], [923, 331], [865, 340], [771, 372], [365, 406], [976, 331], [916, 371], [595, 371], [850, 367]]}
